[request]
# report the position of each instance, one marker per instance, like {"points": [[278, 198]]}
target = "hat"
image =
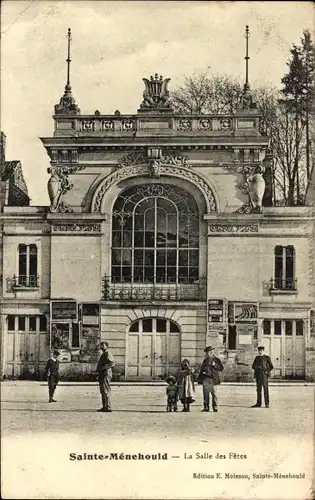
{"points": [[260, 348], [209, 348], [170, 378], [56, 353]]}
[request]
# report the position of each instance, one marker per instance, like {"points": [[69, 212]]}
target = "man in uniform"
{"points": [[209, 378], [52, 373], [262, 367], [104, 370]]}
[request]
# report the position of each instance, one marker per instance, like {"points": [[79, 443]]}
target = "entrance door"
{"points": [[284, 341], [27, 348], [153, 348]]}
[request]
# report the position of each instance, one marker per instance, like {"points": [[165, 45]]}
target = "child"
{"points": [[185, 384], [172, 393]]}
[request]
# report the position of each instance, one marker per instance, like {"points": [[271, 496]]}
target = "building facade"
{"points": [[160, 238]]}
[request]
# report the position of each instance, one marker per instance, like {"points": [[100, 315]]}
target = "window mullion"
{"points": [[284, 266], [28, 258], [177, 243], [133, 244]]}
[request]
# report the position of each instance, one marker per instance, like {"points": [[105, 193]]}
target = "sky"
{"points": [[117, 43]]}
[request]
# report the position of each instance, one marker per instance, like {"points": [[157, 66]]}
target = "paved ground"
{"points": [[25, 408], [280, 436]]}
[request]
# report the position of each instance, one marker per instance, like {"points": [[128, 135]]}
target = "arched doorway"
{"points": [[153, 348]]}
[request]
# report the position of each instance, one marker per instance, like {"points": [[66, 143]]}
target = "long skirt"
{"points": [[186, 390]]}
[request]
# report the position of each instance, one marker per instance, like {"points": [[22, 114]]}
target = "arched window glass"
{"points": [[155, 236]]}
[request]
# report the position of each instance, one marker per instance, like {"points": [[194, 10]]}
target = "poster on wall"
{"points": [[90, 341], [217, 317], [60, 336], [63, 310], [242, 312], [217, 311]]}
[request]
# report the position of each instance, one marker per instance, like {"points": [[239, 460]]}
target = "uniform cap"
{"points": [[209, 348]]}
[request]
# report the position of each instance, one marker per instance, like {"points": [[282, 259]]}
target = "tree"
{"points": [[202, 94], [287, 116], [299, 91]]}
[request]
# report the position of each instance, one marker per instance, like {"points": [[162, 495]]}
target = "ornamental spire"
{"points": [[67, 105], [247, 101], [247, 35], [68, 58]]}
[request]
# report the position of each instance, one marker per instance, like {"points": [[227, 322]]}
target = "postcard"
{"points": [[157, 250]]}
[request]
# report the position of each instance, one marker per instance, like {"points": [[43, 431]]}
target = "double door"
{"points": [[153, 349], [285, 344], [26, 347]]}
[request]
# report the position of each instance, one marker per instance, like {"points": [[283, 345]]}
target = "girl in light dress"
{"points": [[185, 382]]}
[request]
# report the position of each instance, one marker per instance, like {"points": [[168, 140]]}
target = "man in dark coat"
{"points": [[104, 370], [52, 373], [209, 378], [262, 367]]}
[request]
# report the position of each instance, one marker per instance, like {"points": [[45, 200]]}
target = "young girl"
{"points": [[172, 394], [185, 382]]}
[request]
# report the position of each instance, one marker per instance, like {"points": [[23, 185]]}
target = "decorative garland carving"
{"points": [[134, 170], [132, 159], [83, 228], [227, 228], [140, 158], [174, 160]]}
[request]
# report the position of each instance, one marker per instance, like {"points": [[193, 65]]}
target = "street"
{"points": [[25, 408], [38, 438]]}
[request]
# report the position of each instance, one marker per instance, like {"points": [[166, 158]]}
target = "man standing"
{"points": [[104, 370], [262, 367], [52, 373], [209, 377]]}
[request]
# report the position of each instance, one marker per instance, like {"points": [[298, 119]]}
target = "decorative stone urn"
{"points": [[258, 188]]}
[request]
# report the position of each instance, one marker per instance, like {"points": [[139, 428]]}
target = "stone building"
{"points": [[161, 238]]}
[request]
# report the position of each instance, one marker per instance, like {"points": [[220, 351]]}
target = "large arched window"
{"points": [[155, 236]]}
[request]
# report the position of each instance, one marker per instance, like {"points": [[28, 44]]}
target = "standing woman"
{"points": [[185, 382]]}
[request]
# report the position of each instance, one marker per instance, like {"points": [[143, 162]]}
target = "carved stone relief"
{"points": [[87, 126], [58, 185], [205, 124], [81, 228], [233, 228], [181, 172], [107, 125], [128, 124], [184, 125], [225, 124], [252, 184]]}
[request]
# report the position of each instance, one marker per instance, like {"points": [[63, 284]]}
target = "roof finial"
{"points": [[247, 35], [68, 59], [67, 103], [247, 101]]}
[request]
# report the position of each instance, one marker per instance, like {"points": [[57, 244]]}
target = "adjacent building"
{"points": [[160, 238]]}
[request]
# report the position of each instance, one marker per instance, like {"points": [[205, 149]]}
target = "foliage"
{"points": [[287, 116], [203, 94]]}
